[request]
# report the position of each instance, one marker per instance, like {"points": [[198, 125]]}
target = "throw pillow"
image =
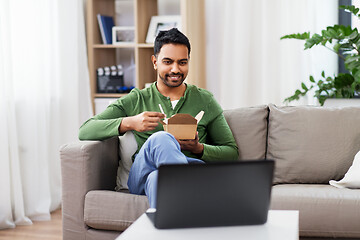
{"points": [[249, 127], [312, 144], [127, 148], [352, 177]]}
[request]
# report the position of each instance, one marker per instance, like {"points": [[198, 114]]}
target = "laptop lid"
{"points": [[213, 194]]}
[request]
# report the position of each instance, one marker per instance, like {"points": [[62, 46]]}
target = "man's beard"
{"points": [[167, 82]]}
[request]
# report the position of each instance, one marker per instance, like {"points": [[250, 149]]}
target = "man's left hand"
{"points": [[192, 145]]}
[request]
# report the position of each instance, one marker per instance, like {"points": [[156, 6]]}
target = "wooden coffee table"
{"points": [[280, 225]]}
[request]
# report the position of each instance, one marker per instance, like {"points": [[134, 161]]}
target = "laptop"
{"points": [[213, 194]]}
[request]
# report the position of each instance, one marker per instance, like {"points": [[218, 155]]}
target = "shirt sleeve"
{"points": [[102, 126], [222, 145], [106, 124]]}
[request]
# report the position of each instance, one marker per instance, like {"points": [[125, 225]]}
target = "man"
{"points": [[139, 112]]}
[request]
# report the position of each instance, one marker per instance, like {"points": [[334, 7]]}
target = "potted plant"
{"points": [[345, 42]]}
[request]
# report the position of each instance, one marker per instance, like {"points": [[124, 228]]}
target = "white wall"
{"points": [[248, 64]]}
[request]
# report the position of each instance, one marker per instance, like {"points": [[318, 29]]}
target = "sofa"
{"points": [[310, 145]]}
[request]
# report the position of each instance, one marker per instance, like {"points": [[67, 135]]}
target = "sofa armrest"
{"points": [[85, 166]]}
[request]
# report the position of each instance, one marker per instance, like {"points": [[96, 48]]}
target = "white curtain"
{"points": [[248, 64], [44, 97]]}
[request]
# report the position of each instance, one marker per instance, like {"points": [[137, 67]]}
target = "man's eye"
{"points": [[183, 63], [167, 62]]}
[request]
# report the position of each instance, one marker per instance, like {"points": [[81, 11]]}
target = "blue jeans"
{"points": [[159, 149]]}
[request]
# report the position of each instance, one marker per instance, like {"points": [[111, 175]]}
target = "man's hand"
{"points": [[192, 145], [146, 121]]}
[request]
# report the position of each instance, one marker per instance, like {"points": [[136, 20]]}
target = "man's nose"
{"points": [[175, 68]]}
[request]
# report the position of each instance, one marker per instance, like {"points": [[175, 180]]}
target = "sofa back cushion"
{"points": [[312, 144], [249, 127]]}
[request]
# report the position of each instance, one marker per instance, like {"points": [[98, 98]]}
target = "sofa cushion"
{"points": [[109, 210], [312, 144], [127, 148], [249, 127], [324, 211]]}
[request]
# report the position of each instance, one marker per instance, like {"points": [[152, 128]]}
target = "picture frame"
{"points": [[123, 35], [162, 23]]}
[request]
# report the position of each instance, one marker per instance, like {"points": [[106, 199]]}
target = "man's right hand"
{"points": [[146, 121]]}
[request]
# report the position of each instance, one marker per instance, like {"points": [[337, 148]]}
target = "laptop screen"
{"points": [[214, 194]]}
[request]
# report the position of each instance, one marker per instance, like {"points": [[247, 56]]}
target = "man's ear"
{"points": [[154, 61]]}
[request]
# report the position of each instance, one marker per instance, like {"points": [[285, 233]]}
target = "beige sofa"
{"points": [[311, 145]]}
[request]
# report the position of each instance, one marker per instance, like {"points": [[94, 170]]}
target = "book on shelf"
{"points": [[105, 24]]}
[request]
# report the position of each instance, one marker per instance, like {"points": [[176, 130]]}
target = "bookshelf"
{"points": [[136, 56]]}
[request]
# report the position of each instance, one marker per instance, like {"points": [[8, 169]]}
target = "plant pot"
{"points": [[342, 102]]}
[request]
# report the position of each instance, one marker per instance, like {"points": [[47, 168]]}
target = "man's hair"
{"points": [[172, 36]]}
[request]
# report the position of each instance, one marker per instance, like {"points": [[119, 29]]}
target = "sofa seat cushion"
{"points": [[249, 127], [312, 144], [110, 210], [324, 211]]}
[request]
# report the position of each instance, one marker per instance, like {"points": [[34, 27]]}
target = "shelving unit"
{"points": [[100, 55]]}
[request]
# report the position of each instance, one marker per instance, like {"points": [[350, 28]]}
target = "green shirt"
{"points": [[214, 132]]}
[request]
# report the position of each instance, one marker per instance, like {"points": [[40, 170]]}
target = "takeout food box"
{"points": [[182, 125]]}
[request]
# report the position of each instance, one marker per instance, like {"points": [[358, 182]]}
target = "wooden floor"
{"points": [[49, 230]]}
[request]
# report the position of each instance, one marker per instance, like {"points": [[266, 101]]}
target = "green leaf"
{"points": [[304, 86], [329, 79], [346, 46], [346, 30], [343, 80], [356, 86], [337, 47], [353, 58], [332, 33], [352, 64], [356, 75], [353, 35], [316, 39], [312, 78], [322, 99], [357, 43], [300, 36], [351, 9]]}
